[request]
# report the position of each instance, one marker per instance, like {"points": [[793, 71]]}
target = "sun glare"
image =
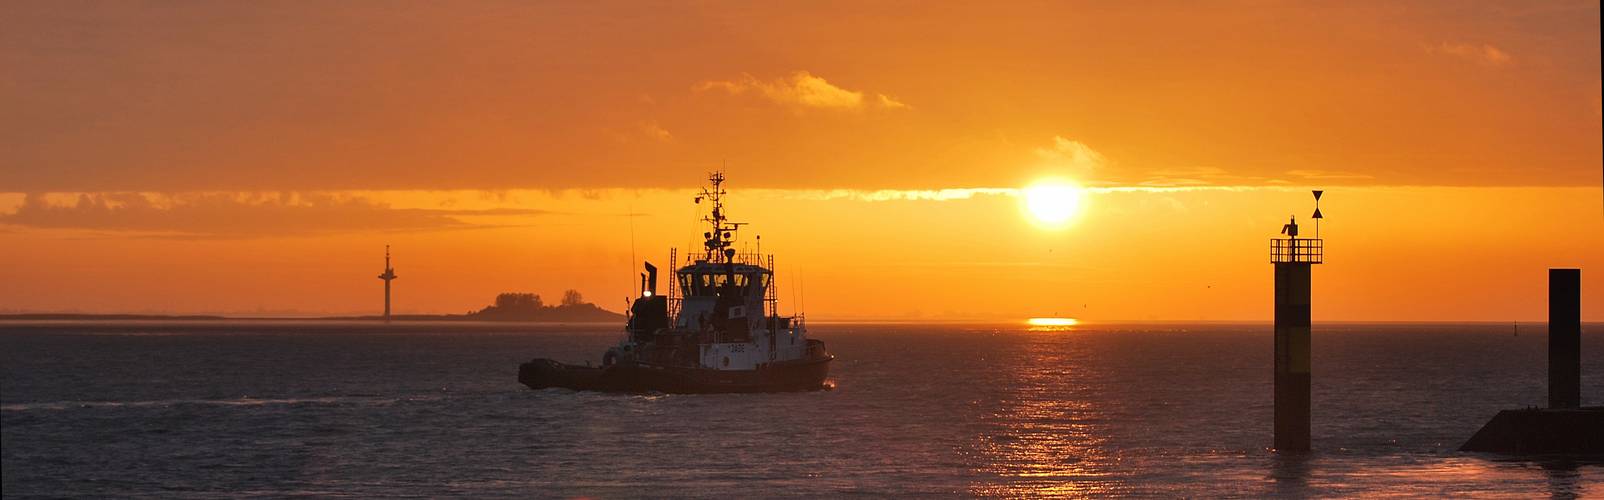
{"points": [[1052, 322], [1052, 204]]}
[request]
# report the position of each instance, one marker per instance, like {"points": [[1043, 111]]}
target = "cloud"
{"points": [[655, 132], [642, 132], [1483, 54], [1199, 176], [235, 215], [1065, 154], [1091, 168], [887, 102], [968, 193], [1328, 175], [802, 90], [948, 194], [1188, 176]]}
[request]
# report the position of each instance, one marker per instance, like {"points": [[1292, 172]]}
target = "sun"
{"points": [[1052, 203]]}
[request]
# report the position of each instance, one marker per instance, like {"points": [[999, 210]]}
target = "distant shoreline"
{"points": [[376, 319]]}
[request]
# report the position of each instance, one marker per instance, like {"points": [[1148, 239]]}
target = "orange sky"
{"points": [[227, 157]]}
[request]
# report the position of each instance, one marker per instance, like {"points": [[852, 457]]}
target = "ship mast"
{"points": [[717, 242]]}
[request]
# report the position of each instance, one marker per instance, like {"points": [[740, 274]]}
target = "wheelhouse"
{"points": [[707, 280]]}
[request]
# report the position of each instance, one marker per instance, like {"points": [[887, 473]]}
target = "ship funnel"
{"points": [[649, 281]]}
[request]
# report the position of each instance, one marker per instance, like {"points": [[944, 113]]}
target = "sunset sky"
{"points": [[255, 158]]}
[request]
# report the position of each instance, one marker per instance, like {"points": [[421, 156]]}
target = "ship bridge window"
{"points": [[702, 284], [705, 284], [695, 284], [751, 283]]}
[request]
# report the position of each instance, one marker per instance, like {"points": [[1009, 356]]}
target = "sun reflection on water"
{"points": [[1052, 324], [1048, 435]]}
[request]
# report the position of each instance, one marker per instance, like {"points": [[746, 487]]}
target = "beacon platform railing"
{"points": [[1297, 250]]}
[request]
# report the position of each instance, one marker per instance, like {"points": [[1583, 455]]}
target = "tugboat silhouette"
{"points": [[718, 330]]}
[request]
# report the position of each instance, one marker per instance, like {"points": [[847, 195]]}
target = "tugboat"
{"points": [[717, 331]]}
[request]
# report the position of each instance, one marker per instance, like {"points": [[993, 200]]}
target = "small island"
{"points": [[529, 307], [521, 306], [511, 306]]}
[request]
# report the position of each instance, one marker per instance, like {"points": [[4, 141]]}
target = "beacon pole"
{"points": [[1292, 344]]}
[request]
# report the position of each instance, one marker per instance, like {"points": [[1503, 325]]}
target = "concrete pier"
{"points": [[1565, 427], [1292, 379], [1564, 338]]}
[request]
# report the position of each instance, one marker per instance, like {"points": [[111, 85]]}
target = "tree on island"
{"points": [[517, 302], [520, 306]]}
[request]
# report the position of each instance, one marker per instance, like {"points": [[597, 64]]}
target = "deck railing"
{"points": [[1297, 250], [748, 258]]}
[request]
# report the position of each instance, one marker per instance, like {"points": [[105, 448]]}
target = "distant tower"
{"points": [[1292, 257], [389, 274]]}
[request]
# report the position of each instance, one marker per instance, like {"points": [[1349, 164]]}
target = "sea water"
{"points": [[261, 408]]}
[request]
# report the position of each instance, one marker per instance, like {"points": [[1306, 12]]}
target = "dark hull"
{"points": [[791, 376]]}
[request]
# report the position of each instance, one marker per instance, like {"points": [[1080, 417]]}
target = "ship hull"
{"points": [[634, 377]]}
